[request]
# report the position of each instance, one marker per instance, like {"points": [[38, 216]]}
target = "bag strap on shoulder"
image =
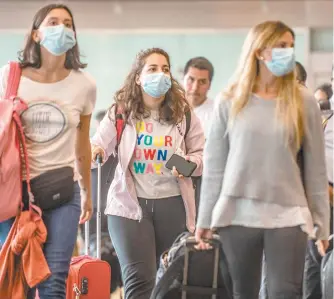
{"points": [[22, 140], [188, 122], [13, 81], [119, 122]]}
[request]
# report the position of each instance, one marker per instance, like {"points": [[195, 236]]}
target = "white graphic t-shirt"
{"points": [[53, 114], [155, 145]]}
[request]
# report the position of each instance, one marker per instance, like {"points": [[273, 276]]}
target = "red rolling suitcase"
{"points": [[89, 277]]}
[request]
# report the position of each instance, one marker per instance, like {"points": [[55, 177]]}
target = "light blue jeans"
{"points": [[62, 226], [4, 230]]}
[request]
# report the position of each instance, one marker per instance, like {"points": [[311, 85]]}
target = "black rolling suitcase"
{"points": [[186, 273], [327, 279]]}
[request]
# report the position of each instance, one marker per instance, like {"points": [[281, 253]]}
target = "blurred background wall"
{"points": [[110, 33]]}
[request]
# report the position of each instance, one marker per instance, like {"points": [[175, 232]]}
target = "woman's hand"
{"points": [[175, 172], [322, 246], [86, 207], [201, 235], [96, 150]]}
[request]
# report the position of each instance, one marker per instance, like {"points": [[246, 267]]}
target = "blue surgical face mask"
{"points": [[282, 61], [156, 85], [57, 39]]}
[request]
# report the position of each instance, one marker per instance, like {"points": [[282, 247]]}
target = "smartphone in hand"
{"points": [[184, 167]]}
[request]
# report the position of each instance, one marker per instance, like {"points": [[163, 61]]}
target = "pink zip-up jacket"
{"points": [[122, 197]]}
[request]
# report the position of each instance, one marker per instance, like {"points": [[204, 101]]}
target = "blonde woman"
{"points": [[255, 192]]}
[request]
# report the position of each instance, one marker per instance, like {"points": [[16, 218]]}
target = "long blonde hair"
{"points": [[289, 107]]}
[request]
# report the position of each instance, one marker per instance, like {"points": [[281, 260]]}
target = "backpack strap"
{"points": [[170, 280], [13, 83], [188, 122], [119, 122], [22, 139]]}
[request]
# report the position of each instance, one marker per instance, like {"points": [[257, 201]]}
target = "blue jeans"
{"points": [[62, 226], [4, 230]]}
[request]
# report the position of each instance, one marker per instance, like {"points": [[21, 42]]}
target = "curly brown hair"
{"points": [[130, 97]]}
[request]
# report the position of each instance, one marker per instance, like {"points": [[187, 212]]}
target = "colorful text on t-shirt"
{"points": [[152, 151]]}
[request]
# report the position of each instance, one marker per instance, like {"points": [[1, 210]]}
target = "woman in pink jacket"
{"points": [[148, 204]]}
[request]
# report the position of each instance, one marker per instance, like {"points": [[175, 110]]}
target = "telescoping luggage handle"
{"points": [[189, 243], [98, 214]]}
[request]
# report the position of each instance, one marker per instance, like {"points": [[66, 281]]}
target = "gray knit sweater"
{"points": [[252, 160]]}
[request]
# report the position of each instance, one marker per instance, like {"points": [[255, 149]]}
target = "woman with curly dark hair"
{"points": [[149, 205]]}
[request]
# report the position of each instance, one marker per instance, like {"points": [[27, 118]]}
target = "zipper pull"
{"points": [[76, 291]]}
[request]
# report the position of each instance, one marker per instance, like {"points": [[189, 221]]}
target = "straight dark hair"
{"points": [[30, 56]]}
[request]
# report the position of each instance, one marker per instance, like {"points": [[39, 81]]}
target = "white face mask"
{"points": [[57, 39], [156, 85], [282, 61]]}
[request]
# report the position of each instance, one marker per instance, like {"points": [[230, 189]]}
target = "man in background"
{"points": [[312, 288], [324, 92], [329, 143], [332, 82], [198, 74]]}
